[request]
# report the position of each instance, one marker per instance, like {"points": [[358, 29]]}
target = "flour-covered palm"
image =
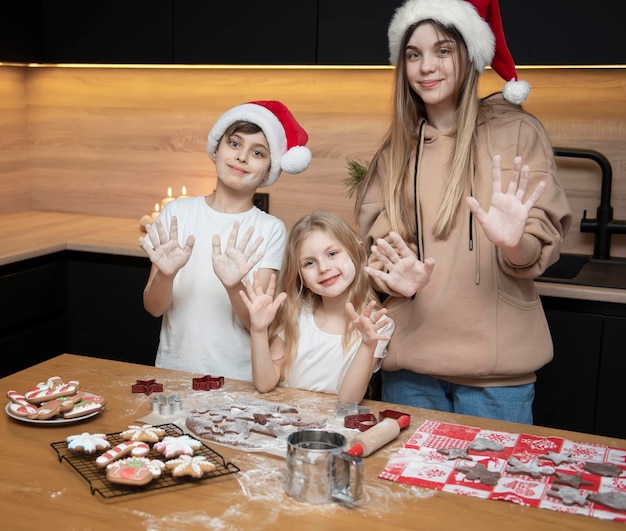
{"points": [[402, 271], [165, 252], [238, 259], [261, 305], [505, 221], [369, 322]]}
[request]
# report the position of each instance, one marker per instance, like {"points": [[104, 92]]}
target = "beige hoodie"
{"points": [[479, 321]]}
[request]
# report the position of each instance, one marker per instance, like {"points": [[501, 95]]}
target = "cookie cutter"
{"points": [[390, 413], [362, 422], [206, 383], [166, 406], [147, 387]]}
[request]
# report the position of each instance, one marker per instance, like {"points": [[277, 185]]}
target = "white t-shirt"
{"points": [[200, 332], [320, 363]]}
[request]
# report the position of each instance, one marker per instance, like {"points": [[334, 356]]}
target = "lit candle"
{"points": [[156, 211], [167, 199], [184, 194]]}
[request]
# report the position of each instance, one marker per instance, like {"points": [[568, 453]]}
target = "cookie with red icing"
{"points": [[135, 471]]}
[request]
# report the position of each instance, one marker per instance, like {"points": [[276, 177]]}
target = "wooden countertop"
{"points": [[30, 234], [39, 492]]}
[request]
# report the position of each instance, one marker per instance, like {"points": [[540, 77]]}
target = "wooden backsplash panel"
{"points": [[109, 141], [13, 161]]}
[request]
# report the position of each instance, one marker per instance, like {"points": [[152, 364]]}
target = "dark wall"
{"points": [[538, 32]]}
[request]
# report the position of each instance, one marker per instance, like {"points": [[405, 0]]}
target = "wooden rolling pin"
{"points": [[378, 435]]}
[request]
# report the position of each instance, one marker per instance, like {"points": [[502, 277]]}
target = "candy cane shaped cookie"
{"points": [[50, 390], [19, 406], [135, 448]]}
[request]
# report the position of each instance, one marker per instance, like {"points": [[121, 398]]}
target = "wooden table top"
{"points": [[39, 492]]}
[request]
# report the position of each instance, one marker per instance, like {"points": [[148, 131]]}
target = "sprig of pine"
{"points": [[356, 173]]}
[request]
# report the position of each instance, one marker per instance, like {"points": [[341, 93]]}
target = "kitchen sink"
{"points": [[583, 270]]}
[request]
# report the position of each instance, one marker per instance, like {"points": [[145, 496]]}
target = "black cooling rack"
{"points": [[85, 465]]}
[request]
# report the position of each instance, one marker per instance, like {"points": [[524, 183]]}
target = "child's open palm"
{"points": [[505, 220], [261, 305], [165, 253], [237, 259], [369, 322]]}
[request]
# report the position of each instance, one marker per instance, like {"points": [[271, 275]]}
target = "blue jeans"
{"points": [[513, 403]]}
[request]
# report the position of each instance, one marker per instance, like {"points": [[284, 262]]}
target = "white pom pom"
{"points": [[296, 159], [516, 91]]}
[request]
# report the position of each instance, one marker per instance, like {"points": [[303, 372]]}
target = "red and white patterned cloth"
{"points": [[418, 463]]}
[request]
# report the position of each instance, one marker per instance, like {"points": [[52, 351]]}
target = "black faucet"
{"points": [[603, 225]]}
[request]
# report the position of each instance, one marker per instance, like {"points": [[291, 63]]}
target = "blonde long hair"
{"points": [[401, 140], [290, 281]]}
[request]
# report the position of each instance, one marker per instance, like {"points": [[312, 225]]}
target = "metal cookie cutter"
{"points": [[362, 422], [206, 383], [147, 387], [343, 410], [166, 406]]}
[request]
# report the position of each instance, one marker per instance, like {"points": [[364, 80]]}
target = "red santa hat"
{"points": [[480, 24], [285, 136]]}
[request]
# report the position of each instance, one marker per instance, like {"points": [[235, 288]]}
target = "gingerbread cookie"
{"points": [[175, 446], [135, 471], [51, 389], [88, 443], [531, 468], [86, 405], [187, 465], [135, 448], [481, 473], [146, 433], [603, 469]]}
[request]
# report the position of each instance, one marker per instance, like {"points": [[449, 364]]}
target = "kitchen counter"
{"points": [[30, 234], [40, 492]]}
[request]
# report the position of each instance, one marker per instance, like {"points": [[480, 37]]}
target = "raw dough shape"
{"points": [[531, 468], [482, 444], [568, 495], [557, 458], [614, 500], [455, 453], [603, 469], [480, 472], [573, 480]]}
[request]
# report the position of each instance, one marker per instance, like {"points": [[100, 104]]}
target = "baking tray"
{"points": [[85, 465]]}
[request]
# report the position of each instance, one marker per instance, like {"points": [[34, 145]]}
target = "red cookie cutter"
{"points": [[206, 383], [390, 413], [147, 387], [361, 422]]}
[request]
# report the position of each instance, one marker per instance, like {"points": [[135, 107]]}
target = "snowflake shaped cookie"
{"points": [[187, 465], [175, 446], [144, 433], [88, 443]]}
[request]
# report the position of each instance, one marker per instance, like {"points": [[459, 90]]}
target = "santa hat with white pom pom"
{"points": [[285, 136], [479, 23]]}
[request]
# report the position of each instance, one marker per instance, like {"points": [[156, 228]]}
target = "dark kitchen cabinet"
{"points": [[111, 31], [279, 32], [33, 319], [307, 32], [83, 303], [581, 388]]}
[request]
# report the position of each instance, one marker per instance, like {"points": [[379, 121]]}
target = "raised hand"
{"points": [[369, 322], [165, 253], [505, 220], [261, 305], [238, 259], [402, 271]]}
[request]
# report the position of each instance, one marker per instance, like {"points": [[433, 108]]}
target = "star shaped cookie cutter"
{"points": [[206, 383], [166, 406], [147, 387]]}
